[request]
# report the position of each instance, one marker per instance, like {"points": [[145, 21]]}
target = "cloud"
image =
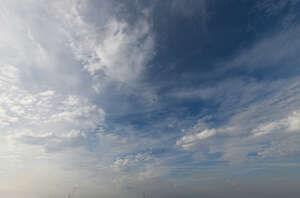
{"points": [[47, 118], [265, 128], [131, 162], [52, 142], [118, 51], [261, 55], [124, 50], [9, 74], [190, 140], [255, 118], [289, 124], [76, 101]]}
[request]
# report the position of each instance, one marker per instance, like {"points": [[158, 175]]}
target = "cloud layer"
{"points": [[128, 98]]}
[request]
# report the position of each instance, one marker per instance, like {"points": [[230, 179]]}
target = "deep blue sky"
{"points": [[173, 98]]}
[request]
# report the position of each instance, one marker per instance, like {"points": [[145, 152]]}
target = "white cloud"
{"points": [[293, 122], [46, 116], [8, 74], [265, 128], [200, 133], [259, 118], [117, 51], [51, 55], [124, 51], [81, 114], [289, 124], [71, 101], [132, 162], [47, 93], [188, 141]]}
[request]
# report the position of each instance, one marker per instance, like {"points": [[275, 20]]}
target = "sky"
{"points": [[132, 98]]}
